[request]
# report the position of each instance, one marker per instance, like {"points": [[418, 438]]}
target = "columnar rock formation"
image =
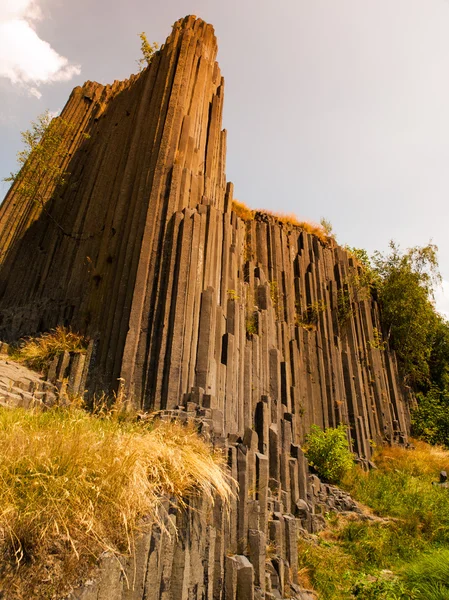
{"points": [[257, 326]]}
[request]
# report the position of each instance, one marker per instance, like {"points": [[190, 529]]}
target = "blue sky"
{"points": [[334, 108]]}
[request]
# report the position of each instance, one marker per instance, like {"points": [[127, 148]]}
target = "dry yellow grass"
{"points": [[247, 214], [38, 352], [423, 460], [242, 210], [74, 485]]}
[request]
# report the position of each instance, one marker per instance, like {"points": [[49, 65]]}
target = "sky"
{"points": [[334, 108]]}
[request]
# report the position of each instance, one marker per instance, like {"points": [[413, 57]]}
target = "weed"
{"points": [[309, 317], [148, 51], [377, 343], [383, 587], [344, 306], [327, 568], [252, 323], [276, 298], [327, 227]]}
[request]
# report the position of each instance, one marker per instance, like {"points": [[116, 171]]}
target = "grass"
{"points": [[37, 353], [402, 488], [247, 214], [74, 485], [402, 550], [428, 576], [243, 211]]}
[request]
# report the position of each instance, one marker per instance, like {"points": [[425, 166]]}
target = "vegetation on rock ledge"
{"points": [[75, 485], [37, 353]]}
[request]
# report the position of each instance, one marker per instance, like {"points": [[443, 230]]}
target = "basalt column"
{"points": [[255, 328], [258, 322], [92, 254]]}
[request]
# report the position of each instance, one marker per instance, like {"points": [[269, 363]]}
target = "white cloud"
{"points": [[442, 299], [25, 59], [35, 92]]}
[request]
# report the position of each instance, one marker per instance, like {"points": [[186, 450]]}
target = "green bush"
{"points": [[430, 420], [328, 452]]}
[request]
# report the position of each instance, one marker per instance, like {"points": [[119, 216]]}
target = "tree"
{"points": [[327, 227], [405, 284], [430, 420], [41, 162], [147, 50]]}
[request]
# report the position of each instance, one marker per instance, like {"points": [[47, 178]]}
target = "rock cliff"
{"points": [[256, 327]]}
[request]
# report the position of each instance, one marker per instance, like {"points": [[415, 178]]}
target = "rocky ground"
{"points": [[21, 387]]}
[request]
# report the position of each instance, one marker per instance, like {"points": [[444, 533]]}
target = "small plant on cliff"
{"points": [[147, 50], [327, 227], [308, 319], [251, 315], [328, 452], [39, 352], [377, 343], [344, 306], [276, 299]]}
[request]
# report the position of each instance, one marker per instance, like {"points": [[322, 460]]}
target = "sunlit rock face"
{"points": [[256, 326]]}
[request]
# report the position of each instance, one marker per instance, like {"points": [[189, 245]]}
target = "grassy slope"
{"points": [[74, 485], [404, 554]]}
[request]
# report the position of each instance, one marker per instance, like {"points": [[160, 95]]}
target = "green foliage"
{"points": [[41, 160], [380, 588], [378, 343], [309, 317], [147, 50], [361, 256], [403, 282], [405, 292], [428, 576], [344, 306], [327, 568], [327, 227], [401, 554], [401, 488], [430, 420], [328, 452], [252, 323], [439, 355], [276, 298], [380, 544]]}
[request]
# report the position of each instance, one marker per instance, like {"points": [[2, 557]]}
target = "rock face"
{"points": [[257, 327]]}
